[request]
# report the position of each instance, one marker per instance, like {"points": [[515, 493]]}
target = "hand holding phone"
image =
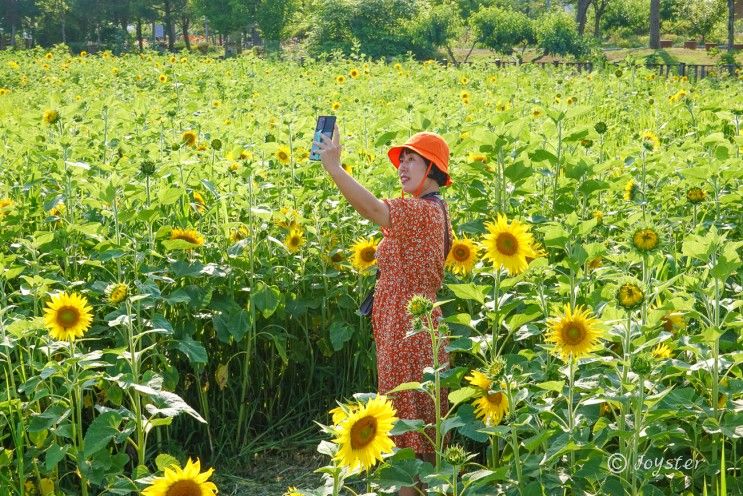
{"points": [[325, 125]]}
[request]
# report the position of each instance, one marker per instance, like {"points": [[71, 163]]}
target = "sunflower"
{"points": [[462, 256], [363, 436], [696, 195], [673, 321], [536, 112], [502, 105], [189, 138], [293, 491], [341, 413], [335, 105], [464, 80], [477, 157], [58, 210], [294, 240], [363, 254], [599, 216], [348, 168], [190, 235], [629, 295], [574, 332], [478, 379], [5, 204], [491, 407], [238, 233], [116, 293], [340, 79], [189, 481], [283, 154], [51, 116], [630, 190], [354, 73], [661, 351], [163, 78], [216, 103], [645, 239], [650, 141], [68, 316], [508, 244], [287, 217]]}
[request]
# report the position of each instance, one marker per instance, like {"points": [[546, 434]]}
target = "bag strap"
{"points": [[434, 196]]}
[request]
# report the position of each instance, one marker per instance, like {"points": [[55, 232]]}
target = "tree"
{"points": [[501, 29], [702, 15], [655, 24], [440, 27], [731, 24], [557, 33], [273, 18], [599, 7], [227, 17], [581, 13]]}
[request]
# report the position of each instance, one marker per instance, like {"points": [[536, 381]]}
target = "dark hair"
{"points": [[436, 174]]}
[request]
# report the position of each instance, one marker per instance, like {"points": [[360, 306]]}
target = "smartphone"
{"points": [[325, 125]]}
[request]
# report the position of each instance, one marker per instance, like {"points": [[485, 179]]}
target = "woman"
{"points": [[411, 261]]}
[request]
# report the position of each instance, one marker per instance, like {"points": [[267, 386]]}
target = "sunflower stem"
{"points": [[78, 424], [496, 308], [571, 413], [435, 345], [514, 439]]}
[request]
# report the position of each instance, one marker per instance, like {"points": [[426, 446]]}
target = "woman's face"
{"points": [[412, 169]]}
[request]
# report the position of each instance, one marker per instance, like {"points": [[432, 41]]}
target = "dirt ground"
{"points": [[270, 474]]}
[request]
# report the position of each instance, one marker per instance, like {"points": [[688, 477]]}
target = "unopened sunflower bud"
{"points": [[455, 455], [419, 305], [496, 367], [642, 364]]}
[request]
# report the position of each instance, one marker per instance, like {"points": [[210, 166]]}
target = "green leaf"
{"points": [[469, 291], [54, 454], [340, 334], [555, 386], [194, 350], [177, 244], [450, 423], [540, 155], [406, 386], [462, 394], [404, 425], [385, 138], [232, 323], [170, 195], [51, 416], [266, 299], [101, 431], [164, 460]]}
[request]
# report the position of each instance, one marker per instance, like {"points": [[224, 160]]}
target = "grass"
{"points": [[271, 473]]}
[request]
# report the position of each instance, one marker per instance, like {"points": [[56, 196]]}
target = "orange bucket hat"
{"points": [[428, 145]]}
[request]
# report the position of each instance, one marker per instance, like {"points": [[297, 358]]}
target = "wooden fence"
{"points": [[692, 71]]}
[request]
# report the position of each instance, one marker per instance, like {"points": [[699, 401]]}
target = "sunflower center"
{"points": [[68, 316], [495, 398], [507, 243], [363, 431], [367, 254], [186, 487], [461, 253], [573, 334], [294, 241]]}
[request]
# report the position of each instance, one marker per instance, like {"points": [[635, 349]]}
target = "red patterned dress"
{"points": [[411, 261]]}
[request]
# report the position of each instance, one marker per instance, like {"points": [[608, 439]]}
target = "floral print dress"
{"points": [[411, 261]]}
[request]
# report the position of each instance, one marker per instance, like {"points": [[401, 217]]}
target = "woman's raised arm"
{"points": [[365, 203]]}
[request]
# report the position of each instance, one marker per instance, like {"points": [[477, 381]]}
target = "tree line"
{"points": [[376, 27]]}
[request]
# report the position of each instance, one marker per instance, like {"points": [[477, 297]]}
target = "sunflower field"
{"points": [[179, 283]]}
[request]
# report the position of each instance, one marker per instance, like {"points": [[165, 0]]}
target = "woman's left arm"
{"points": [[359, 197]]}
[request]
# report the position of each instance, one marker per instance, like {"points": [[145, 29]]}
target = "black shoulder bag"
{"points": [[366, 306]]}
